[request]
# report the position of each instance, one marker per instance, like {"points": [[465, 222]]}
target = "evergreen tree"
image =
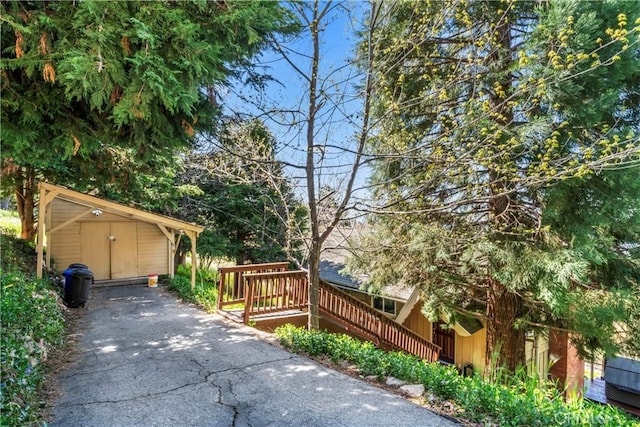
{"points": [[486, 107], [597, 219], [103, 95], [238, 191]]}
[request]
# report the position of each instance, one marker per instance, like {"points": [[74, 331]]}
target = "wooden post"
{"points": [[248, 299], [48, 237], [568, 368], [194, 259], [41, 213]]}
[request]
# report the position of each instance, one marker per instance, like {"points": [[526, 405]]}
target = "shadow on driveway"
{"points": [[146, 359]]}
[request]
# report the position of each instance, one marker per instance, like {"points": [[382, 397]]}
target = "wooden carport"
{"points": [[84, 209]]}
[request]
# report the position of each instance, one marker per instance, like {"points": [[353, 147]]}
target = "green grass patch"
{"points": [[517, 401], [32, 323], [10, 223], [205, 294]]}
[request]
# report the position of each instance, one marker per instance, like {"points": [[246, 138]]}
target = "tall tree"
{"points": [[597, 218], [102, 94], [486, 106], [322, 119], [235, 188]]}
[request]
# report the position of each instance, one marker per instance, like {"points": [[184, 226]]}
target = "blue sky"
{"points": [[337, 45]]}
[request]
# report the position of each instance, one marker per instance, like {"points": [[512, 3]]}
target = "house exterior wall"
{"points": [[139, 248], [568, 368], [467, 349], [471, 350], [418, 323]]}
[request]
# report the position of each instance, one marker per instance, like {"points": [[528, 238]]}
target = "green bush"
{"points": [[516, 401], [205, 293], [31, 324]]}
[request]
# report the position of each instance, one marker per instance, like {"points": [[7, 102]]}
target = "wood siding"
{"points": [[153, 250], [137, 248], [472, 350], [418, 323], [64, 248], [467, 349]]}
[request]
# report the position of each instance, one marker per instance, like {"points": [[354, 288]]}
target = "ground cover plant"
{"points": [[516, 400], [32, 324], [205, 293]]}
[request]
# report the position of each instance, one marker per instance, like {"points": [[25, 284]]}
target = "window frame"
{"points": [[384, 305]]}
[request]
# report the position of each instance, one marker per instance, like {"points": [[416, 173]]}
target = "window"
{"points": [[385, 305]]}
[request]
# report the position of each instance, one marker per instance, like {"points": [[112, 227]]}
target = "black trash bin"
{"points": [[76, 292], [67, 273]]}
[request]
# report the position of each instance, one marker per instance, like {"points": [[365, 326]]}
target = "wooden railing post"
{"points": [[248, 299], [221, 282]]}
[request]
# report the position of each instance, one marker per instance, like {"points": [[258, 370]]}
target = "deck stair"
{"points": [[270, 289]]}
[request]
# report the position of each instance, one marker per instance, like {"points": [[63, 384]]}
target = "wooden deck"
{"points": [[594, 390], [271, 296]]}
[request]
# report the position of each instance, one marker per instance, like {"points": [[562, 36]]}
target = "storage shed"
{"points": [[115, 241]]}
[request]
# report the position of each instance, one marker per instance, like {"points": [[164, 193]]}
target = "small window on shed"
{"points": [[385, 305]]}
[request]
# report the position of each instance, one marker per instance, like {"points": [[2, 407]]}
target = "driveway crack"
{"points": [[133, 399]]}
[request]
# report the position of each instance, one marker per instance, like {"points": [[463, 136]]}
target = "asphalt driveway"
{"points": [[146, 359]]}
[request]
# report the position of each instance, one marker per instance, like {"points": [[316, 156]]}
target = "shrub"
{"points": [[31, 323], [17, 254], [205, 293], [513, 401]]}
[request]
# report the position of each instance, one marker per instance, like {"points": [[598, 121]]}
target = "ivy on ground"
{"points": [[32, 323]]}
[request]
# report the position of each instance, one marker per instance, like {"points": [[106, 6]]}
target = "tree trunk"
{"points": [[505, 343], [25, 190], [316, 243], [314, 285]]}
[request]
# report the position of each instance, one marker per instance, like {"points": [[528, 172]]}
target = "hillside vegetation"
{"points": [[32, 325]]}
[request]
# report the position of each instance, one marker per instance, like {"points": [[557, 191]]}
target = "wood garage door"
{"points": [[95, 248], [110, 250]]}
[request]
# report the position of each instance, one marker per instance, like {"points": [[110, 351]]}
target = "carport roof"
{"points": [[56, 191]]}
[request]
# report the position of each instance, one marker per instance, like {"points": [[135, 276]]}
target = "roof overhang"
{"points": [[55, 191]]}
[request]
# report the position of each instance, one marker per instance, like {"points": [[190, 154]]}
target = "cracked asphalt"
{"points": [[147, 359]]}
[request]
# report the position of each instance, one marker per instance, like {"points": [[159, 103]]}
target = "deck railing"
{"points": [[374, 325], [269, 288], [231, 284], [274, 292]]}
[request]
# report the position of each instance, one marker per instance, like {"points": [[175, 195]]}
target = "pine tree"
{"points": [[99, 94], [485, 108]]}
